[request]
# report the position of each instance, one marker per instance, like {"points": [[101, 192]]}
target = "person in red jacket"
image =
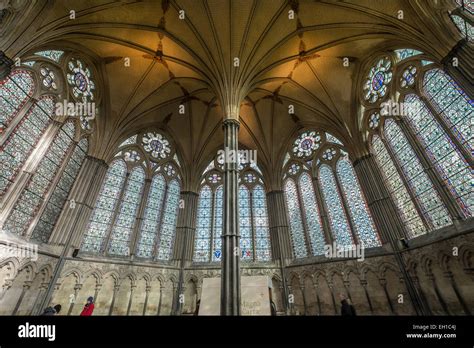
{"points": [[88, 308]]}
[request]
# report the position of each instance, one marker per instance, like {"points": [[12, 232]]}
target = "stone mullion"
{"points": [[322, 211], [5, 135], [139, 218], [446, 197], [51, 188], [442, 122], [347, 211], [408, 187], [108, 235], [307, 240], [211, 239], [252, 223], [27, 171], [160, 222]]}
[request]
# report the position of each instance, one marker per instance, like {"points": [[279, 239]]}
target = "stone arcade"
{"points": [[134, 205]]}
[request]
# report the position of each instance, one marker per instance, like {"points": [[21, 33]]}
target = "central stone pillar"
{"points": [[230, 275]]}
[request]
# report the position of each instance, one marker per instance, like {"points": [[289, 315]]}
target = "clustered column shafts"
{"points": [[230, 279], [387, 221], [280, 236], [458, 64], [72, 222], [184, 242]]}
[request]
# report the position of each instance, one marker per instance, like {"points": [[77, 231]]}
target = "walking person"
{"points": [[88, 308], [347, 309]]}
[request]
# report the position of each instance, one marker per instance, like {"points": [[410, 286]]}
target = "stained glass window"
{"points": [[218, 224], [245, 224], [105, 206], [337, 218], [397, 189], [448, 99], [54, 55], [329, 153], [37, 186], [129, 141], [168, 225], [295, 220], [79, 78], [15, 91], [374, 120], [466, 5], [23, 140], [377, 81], [358, 210], [202, 238], [49, 78], [431, 205], [464, 27], [448, 161], [408, 77], [58, 198], [332, 139], [306, 144], [406, 53], [262, 232], [125, 220], [156, 145], [149, 226], [313, 217]]}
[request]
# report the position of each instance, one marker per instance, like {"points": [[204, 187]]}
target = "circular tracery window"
{"points": [[306, 144], [379, 78]]}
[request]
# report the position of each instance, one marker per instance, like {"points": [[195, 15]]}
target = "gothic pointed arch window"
{"points": [[143, 173], [462, 18], [39, 144], [422, 141], [320, 181], [253, 215]]}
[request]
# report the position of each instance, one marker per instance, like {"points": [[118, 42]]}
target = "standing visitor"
{"points": [[88, 308]]}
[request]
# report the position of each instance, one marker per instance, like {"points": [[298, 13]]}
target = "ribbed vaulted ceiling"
{"points": [[190, 61]]}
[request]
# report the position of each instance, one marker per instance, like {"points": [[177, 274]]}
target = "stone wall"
{"points": [[442, 271]]}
